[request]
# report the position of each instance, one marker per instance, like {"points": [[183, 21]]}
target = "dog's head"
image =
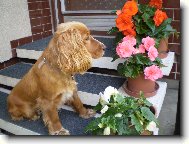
{"points": [[75, 47]]}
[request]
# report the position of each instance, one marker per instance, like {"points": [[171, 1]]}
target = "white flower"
{"points": [[100, 125], [151, 126], [107, 131], [118, 115], [110, 91], [104, 109], [105, 98]]}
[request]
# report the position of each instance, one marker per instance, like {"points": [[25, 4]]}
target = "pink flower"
{"points": [[124, 50], [153, 73], [136, 51], [130, 39], [152, 53], [148, 42], [142, 48]]}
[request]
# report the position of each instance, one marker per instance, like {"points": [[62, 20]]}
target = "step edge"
{"points": [[15, 129]]}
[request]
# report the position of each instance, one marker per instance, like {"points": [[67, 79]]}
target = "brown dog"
{"points": [[50, 82]]}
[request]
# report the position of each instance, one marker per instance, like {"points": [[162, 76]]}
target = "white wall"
{"points": [[14, 24]]}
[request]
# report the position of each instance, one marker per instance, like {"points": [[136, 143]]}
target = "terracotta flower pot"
{"points": [[163, 48], [133, 86]]}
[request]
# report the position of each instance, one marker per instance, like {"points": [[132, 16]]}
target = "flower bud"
{"points": [[118, 115], [107, 131], [100, 125], [104, 109], [151, 126]]}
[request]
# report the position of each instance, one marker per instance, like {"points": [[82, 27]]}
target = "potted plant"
{"points": [[141, 66], [142, 20], [122, 115], [140, 30]]}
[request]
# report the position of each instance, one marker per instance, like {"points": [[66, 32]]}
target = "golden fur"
{"points": [[49, 83]]}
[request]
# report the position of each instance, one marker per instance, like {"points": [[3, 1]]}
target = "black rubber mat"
{"points": [[40, 45], [90, 83]]}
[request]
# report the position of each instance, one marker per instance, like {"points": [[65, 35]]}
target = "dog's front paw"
{"points": [[61, 132], [89, 113], [35, 117]]}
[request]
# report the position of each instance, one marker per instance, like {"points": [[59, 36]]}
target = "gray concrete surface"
{"points": [[167, 117]]}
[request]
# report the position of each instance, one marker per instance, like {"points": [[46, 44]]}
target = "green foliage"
{"points": [[145, 25], [136, 122], [133, 66], [134, 115], [148, 114], [119, 37], [113, 30]]}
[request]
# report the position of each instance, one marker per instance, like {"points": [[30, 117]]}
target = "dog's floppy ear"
{"points": [[72, 54]]}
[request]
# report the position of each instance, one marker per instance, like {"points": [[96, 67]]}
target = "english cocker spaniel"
{"points": [[50, 83]]}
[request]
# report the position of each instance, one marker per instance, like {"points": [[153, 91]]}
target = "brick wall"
{"points": [[41, 27], [40, 20], [9, 63], [173, 11]]}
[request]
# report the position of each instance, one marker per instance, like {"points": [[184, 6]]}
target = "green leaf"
{"points": [[167, 21], [114, 11], [98, 131], [147, 103], [136, 123], [139, 59], [148, 114], [146, 16], [119, 37], [141, 94], [158, 62], [137, 18], [121, 125], [93, 125], [109, 121], [114, 58], [121, 69], [162, 26], [98, 107], [151, 25], [119, 98], [139, 39], [140, 30], [142, 8], [113, 30], [169, 28]]}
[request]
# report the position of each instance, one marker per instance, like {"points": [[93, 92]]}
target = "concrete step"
{"points": [[34, 50]]}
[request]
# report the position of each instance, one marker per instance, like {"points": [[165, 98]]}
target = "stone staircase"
{"points": [[89, 85]]}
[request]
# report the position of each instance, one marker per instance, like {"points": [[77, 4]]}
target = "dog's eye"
{"points": [[87, 38]]}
